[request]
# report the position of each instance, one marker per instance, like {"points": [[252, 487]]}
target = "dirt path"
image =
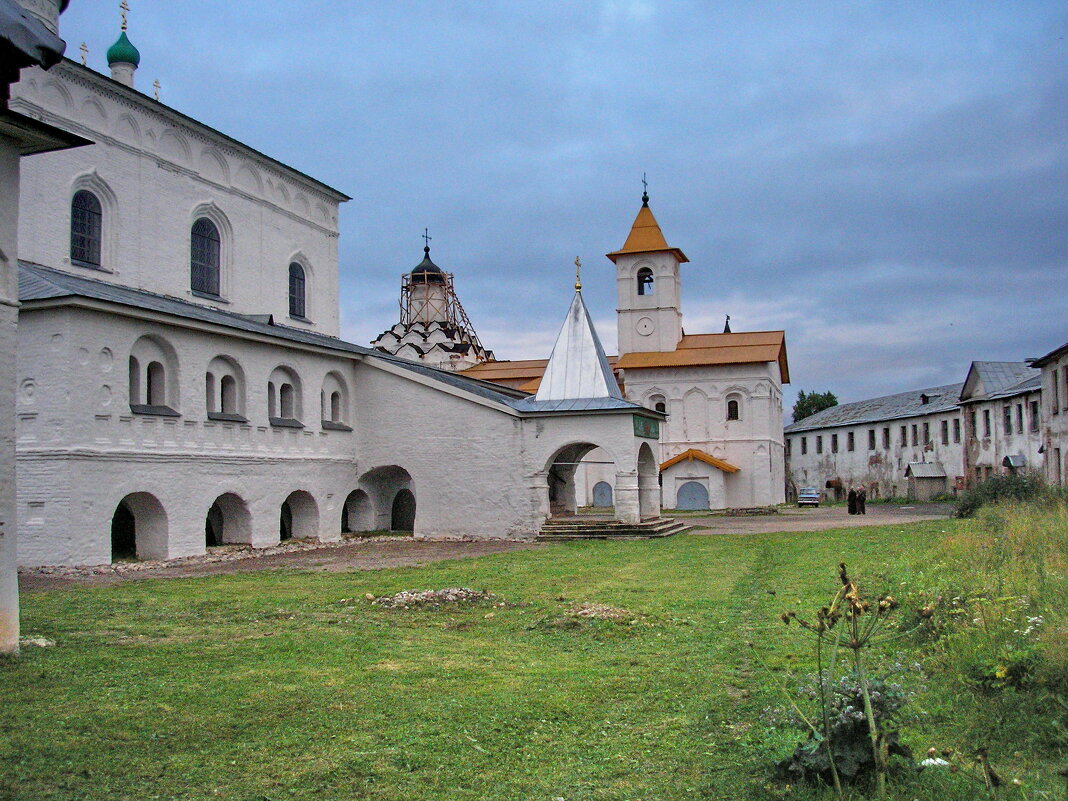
{"points": [[376, 554], [818, 519], [355, 555]]}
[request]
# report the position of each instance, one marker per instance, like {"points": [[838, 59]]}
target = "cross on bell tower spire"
{"points": [[426, 240], [645, 191]]}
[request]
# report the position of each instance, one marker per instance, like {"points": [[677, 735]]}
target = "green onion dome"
{"points": [[123, 52]]}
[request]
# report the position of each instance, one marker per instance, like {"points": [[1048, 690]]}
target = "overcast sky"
{"points": [[886, 181]]}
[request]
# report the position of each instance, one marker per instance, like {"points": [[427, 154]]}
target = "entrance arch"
{"points": [[228, 520], [139, 528], [560, 477], [692, 495], [402, 515], [299, 517], [382, 485], [357, 513]]}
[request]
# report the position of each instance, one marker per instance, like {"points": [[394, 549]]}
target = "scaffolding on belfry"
{"points": [[429, 297]]}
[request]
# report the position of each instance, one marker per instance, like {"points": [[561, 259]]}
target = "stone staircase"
{"points": [[592, 528]]}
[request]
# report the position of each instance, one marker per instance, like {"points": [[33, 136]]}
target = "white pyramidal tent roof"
{"points": [[577, 367]]}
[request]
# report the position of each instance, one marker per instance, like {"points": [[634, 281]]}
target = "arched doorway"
{"points": [[560, 477], [299, 517], [382, 486], [648, 483], [402, 516], [123, 534], [692, 495], [139, 528], [228, 520], [602, 494], [357, 513]]}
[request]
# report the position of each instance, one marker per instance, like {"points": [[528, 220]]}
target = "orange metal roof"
{"points": [[694, 453], [646, 237], [711, 349], [492, 371], [694, 350]]}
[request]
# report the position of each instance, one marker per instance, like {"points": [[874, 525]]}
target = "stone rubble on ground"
{"points": [[36, 642], [600, 612], [216, 554], [434, 598]]}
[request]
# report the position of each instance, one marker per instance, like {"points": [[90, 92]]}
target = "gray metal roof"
{"points": [[578, 368], [40, 283], [888, 407], [1000, 379], [925, 470]]}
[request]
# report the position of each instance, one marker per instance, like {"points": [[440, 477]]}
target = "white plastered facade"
{"points": [[294, 431]]}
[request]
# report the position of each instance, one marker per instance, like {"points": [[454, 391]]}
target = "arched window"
{"points": [[297, 306], [732, 410], [661, 407], [228, 390], [335, 402], [154, 377], [209, 392], [285, 398], [156, 386], [285, 401], [205, 249], [224, 384], [645, 281], [135, 381], [86, 228]]}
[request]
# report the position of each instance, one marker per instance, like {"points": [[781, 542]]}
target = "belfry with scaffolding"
{"points": [[433, 328]]}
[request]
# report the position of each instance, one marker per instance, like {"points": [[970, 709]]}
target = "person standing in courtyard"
{"points": [[862, 499], [851, 500]]}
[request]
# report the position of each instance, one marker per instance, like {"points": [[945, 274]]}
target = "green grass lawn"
{"points": [[290, 685]]}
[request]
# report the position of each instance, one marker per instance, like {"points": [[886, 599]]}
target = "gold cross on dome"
{"points": [[578, 274], [124, 7]]}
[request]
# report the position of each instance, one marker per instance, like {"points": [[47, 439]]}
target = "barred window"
{"points": [[296, 290], [205, 248], [86, 227]]}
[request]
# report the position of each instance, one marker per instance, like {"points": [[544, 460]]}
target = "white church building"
{"points": [[181, 382], [722, 443]]}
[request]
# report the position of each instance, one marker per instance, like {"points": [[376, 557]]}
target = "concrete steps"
{"points": [[577, 528]]}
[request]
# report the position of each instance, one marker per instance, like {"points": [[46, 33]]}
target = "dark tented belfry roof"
{"points": [[888, 407]]}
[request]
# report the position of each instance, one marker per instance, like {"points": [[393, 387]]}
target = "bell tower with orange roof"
{"points": [[649, 310]]}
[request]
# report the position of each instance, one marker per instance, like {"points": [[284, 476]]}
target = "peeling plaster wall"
{"points": [[881, 469]]}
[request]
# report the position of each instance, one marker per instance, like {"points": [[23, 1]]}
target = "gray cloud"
{"points": [[884, 181]]}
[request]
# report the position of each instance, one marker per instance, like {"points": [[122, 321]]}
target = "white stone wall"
{"points": [[155, 172], [9, 588], [1055, 418], [696, 400], [648, 322], [81, 450], [879, 468], [477, 469]]}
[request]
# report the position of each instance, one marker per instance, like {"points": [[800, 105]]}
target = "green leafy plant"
{"points": [[856, 624]]}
